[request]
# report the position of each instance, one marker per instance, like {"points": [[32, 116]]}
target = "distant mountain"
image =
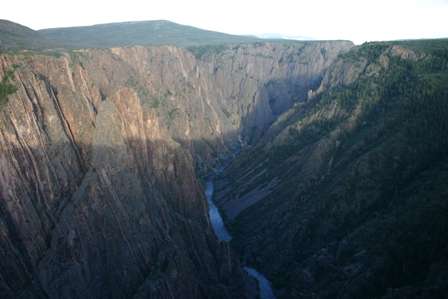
{"points": [[282, 36], [159, 32], [16, 36]]}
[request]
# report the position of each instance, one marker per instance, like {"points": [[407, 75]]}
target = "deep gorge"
{"points": [[100, 150], [332, 173]]}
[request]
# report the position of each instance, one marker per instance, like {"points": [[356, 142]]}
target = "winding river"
{"points": [[223, 234], [215, 217]]}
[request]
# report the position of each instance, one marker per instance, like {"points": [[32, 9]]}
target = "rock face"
{"points": [[99, 155], [345, 195], [98, 201], [257, 83]]}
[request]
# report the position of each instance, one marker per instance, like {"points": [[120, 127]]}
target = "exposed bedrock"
{"points": [[99, 156]]}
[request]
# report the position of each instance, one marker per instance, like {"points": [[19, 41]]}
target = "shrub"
{"points": [[6, 88]]}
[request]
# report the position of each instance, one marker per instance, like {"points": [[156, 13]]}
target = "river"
{"points": [[223, 234], [215, 217]]}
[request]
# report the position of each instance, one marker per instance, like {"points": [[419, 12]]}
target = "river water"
{"points": [[223, 234], [215, 217]]}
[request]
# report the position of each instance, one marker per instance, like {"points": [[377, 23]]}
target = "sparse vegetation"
{"points": [[172, 114], [157, 101], [76, 57], [200, 51], [138, 33], [6, 87]]}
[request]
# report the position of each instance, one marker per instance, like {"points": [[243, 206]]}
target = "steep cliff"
{"points": [[97, 199], [256, 83], [98, 157], [345, 196]]}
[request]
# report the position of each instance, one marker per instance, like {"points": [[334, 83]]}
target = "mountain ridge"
{"points": [[16, 36], [157, 32]]}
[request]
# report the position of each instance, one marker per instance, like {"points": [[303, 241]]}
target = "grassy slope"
{"points": [[138, 33], [15, 36], [362, 207]]}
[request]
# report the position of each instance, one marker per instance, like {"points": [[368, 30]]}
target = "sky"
{"points": [[355, 20]]}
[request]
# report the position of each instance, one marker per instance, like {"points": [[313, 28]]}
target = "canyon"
{"points": [[100, 150], [331, 158]]}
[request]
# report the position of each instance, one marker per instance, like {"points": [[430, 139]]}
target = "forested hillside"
{"points": [[348, 190]]}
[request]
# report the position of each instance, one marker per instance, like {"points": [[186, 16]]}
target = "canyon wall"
{"points": [[99, 156], [344, 196]]}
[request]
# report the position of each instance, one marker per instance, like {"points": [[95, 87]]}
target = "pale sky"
{"points": [[355, 20]]}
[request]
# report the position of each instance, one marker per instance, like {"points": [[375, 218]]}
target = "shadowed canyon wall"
{"points": [[345, 196]]}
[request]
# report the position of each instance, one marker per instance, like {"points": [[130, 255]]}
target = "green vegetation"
{"points": [[408, 92], [362, 173], [157, 101], [33, 53], [369, 51], [145, 33], [435, 47], [142, 92], [6, 87], [76, 57], [164, 108], [201, 51], [15, 36], [172, 114], [138, 33]]}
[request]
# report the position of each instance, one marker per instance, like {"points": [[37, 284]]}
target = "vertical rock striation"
{"points": [[98, 157]]}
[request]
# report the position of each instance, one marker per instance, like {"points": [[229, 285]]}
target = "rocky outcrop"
{"points": [[98, 157]]}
